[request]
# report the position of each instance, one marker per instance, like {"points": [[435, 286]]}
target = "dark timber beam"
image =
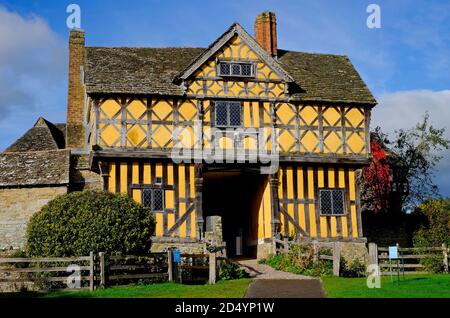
{"points": [[275, 207], [199, 199]]}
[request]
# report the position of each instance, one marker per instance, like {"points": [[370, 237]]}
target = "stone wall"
{"points": [[16, 208]]}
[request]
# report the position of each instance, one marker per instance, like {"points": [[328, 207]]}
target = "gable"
{"points": [[266, 83], [237, 50], [232, 32]]}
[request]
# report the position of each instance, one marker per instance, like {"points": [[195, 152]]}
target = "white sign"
{"points": [[393, 252]]}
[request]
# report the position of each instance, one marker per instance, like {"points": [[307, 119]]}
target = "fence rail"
{"points": [[28, 270], [102, 269], [409, 259]]}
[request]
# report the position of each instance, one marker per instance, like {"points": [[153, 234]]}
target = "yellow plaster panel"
{"points": [[331, 116], [110, 107], [112, 178], [355, 117], [308, 115], [135, 110], [123, 178]]}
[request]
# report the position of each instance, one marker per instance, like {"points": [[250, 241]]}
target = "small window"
{"points": [[332, 201], [228, 114], [153, 199], [236, 69]]}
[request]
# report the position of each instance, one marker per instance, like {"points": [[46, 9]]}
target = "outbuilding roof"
{"points": [[34, 168]]}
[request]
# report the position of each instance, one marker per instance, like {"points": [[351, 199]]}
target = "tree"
{"points": [[436, 227], [411, 158], [376, 180]]}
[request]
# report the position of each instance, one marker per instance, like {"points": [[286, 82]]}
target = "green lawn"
{"points": [[223, 289], [412, 286]]}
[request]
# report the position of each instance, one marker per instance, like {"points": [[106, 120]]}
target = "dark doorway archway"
{"points": [[235, 195]]}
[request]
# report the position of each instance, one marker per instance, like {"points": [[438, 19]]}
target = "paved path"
{"points": [[271, 283]]}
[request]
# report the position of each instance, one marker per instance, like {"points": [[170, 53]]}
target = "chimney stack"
{"points": [[75, 130], [266, 32]]}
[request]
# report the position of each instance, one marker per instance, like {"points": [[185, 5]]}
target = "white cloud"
{"points": [[32, 62], [405, 108]]}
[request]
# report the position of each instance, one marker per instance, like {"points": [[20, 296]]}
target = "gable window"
{"points": [[236, 69], [332, 201], [153, 198], [228, 114]]}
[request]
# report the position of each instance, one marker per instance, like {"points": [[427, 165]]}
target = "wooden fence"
{"points": [[409, 261], [47, 270], [104, 270], [282, 246]]}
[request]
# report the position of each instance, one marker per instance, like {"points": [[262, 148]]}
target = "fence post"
{"points": [[336, 258], [445, 254], [91, 271], [315, 251], [170, 264], [286, 245], [212, 268], [101, 255], [373, 253]]}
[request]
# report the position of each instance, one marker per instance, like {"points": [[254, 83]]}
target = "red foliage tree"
{"points": [[377, 179]]}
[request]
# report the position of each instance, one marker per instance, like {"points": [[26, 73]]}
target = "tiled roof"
{"points": [[42, 136], [318, 77], [35, 168]]}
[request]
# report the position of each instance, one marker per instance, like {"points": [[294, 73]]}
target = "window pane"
{"points": [[147, 197], [221, 114], [325, 202], [224, 68], [235, 69], [235, 114], [246, 69], [338, 202], [158, 200]]}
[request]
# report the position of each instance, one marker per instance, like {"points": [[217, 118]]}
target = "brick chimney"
{"points": [[75, 130], [266, 32]]}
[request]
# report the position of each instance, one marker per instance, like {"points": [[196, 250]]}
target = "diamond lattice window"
{"points": [[331, 201], [236, 69], [153, 199], [228, 114]]}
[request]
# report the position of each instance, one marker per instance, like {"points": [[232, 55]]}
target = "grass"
{"points": [[223, 289], [412, 286]]}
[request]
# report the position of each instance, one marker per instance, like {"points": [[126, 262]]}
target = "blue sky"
{"points": [[406, 63]]}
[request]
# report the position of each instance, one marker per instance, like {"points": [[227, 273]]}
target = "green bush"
{"points": [[434, 232], [300, 260], [436, 229], [355, 268], [80, 222], [228, 271], [433, 263]]}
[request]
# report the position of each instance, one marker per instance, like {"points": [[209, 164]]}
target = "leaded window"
{"points": [[228, 114], [332, 201], [236, 69], [153, 198]]}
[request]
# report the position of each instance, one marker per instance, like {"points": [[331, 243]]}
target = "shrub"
{"points": [[433, 263], [228, 271], [77, 223], [355, 268], [300, 260], [436, 229], [434, 232]]}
